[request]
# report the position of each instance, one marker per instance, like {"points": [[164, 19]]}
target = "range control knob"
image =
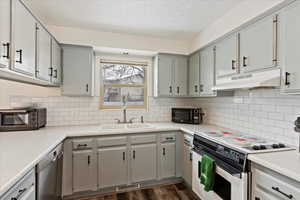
{"points": [[263, 147], [281, 145], [255, 147], [275, 146]]}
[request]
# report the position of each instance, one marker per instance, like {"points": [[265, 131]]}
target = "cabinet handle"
{"points": [[81, 145], [196, 88], [133, 154], [275, 39], [178, 89], [7, 45], [89, 159], [20, 193], [287, 82], [20, 52], [170, 89], [87, 87], [50, 71], [164, 151], [55, 73], [277, 189], [124, 156], [244, 61], [233, 64], [191, 156], [201, 88]]}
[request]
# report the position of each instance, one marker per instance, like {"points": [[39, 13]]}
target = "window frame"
{"points": [[103, 86]]}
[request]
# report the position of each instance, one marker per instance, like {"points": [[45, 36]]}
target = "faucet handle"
{"points": [[131, 119], [118, 121]]}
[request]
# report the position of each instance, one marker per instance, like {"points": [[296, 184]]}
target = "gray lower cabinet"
{"points": [[143, 162], [84, 170], [78, 63], [112, 166], [168, 160], [290, 44], [4, 35], [187, 162]]}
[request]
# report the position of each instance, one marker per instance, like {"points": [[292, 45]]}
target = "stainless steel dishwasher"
{"points": [[49, 175]]}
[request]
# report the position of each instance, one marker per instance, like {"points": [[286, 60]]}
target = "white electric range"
{"points": [[229, 150]]}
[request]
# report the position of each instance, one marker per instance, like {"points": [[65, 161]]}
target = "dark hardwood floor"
{"points": [[164, 192]]}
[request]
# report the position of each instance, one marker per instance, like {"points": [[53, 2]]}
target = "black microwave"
{"points": [[22, 119], [187, 115]]}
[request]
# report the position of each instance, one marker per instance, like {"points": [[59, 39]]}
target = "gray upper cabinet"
{"points": [[207, 71], [112, 166], [227, 58], [44, 71], [5, 33], [78, 65], [165, 75], [180, 75], [24, 26], [290, 44], [194, 74], [56, 62], [258, 45], [171, 75], [143, 162]]}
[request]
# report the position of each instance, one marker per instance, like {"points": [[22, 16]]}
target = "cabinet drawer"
{"points": [[82, 143], [141, 139], [23, 188], [277, 185], [169, 137], [111, 141]]}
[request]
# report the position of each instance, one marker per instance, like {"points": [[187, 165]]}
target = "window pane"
{"points": [[123, 74], [113, 96]]}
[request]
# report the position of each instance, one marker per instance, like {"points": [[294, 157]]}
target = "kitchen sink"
{"points": [[124, 126], [113, 126], [139, 126]]}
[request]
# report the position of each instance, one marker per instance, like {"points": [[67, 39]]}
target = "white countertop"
{"points": [[21, 151], [285, 162]]}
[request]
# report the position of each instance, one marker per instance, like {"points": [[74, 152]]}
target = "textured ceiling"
{"points": [[175, 19]]}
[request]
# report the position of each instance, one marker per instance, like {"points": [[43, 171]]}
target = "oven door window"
{"points": [[182, 116], [14, 119], [222, 187]]}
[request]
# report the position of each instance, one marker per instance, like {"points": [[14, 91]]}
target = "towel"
{"points": [[207, 177]]}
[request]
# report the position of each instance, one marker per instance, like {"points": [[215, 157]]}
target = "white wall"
{"points": [[117, 40], [237, 16]]}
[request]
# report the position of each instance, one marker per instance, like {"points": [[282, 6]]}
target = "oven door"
{"points": [[14, 119], [181, 115], [227, 186]]}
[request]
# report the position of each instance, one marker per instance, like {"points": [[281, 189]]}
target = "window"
{"points": [[123, 84]]}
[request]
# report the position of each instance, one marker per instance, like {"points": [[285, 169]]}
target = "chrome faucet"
{"points": [[124, 100]]}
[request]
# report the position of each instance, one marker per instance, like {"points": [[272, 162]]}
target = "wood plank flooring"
{"points": [[165, 192]]}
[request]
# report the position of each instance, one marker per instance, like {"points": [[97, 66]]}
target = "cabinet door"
{"points": [[165, 75], [44, 71], [112, 166], [187, 164], [290, 43], [143, 162], [78, 70], [84, 171], [4, 33], [180, 75], [24, 37], [227, 56], [168, 168], [56, 62], [257, 45], [194, 74], [207, 71]]}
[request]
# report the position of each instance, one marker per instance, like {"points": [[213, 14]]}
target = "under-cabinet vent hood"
{"points": [[265, 79]]}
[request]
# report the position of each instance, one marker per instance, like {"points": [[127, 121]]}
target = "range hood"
{"points": [[265, 79]]}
